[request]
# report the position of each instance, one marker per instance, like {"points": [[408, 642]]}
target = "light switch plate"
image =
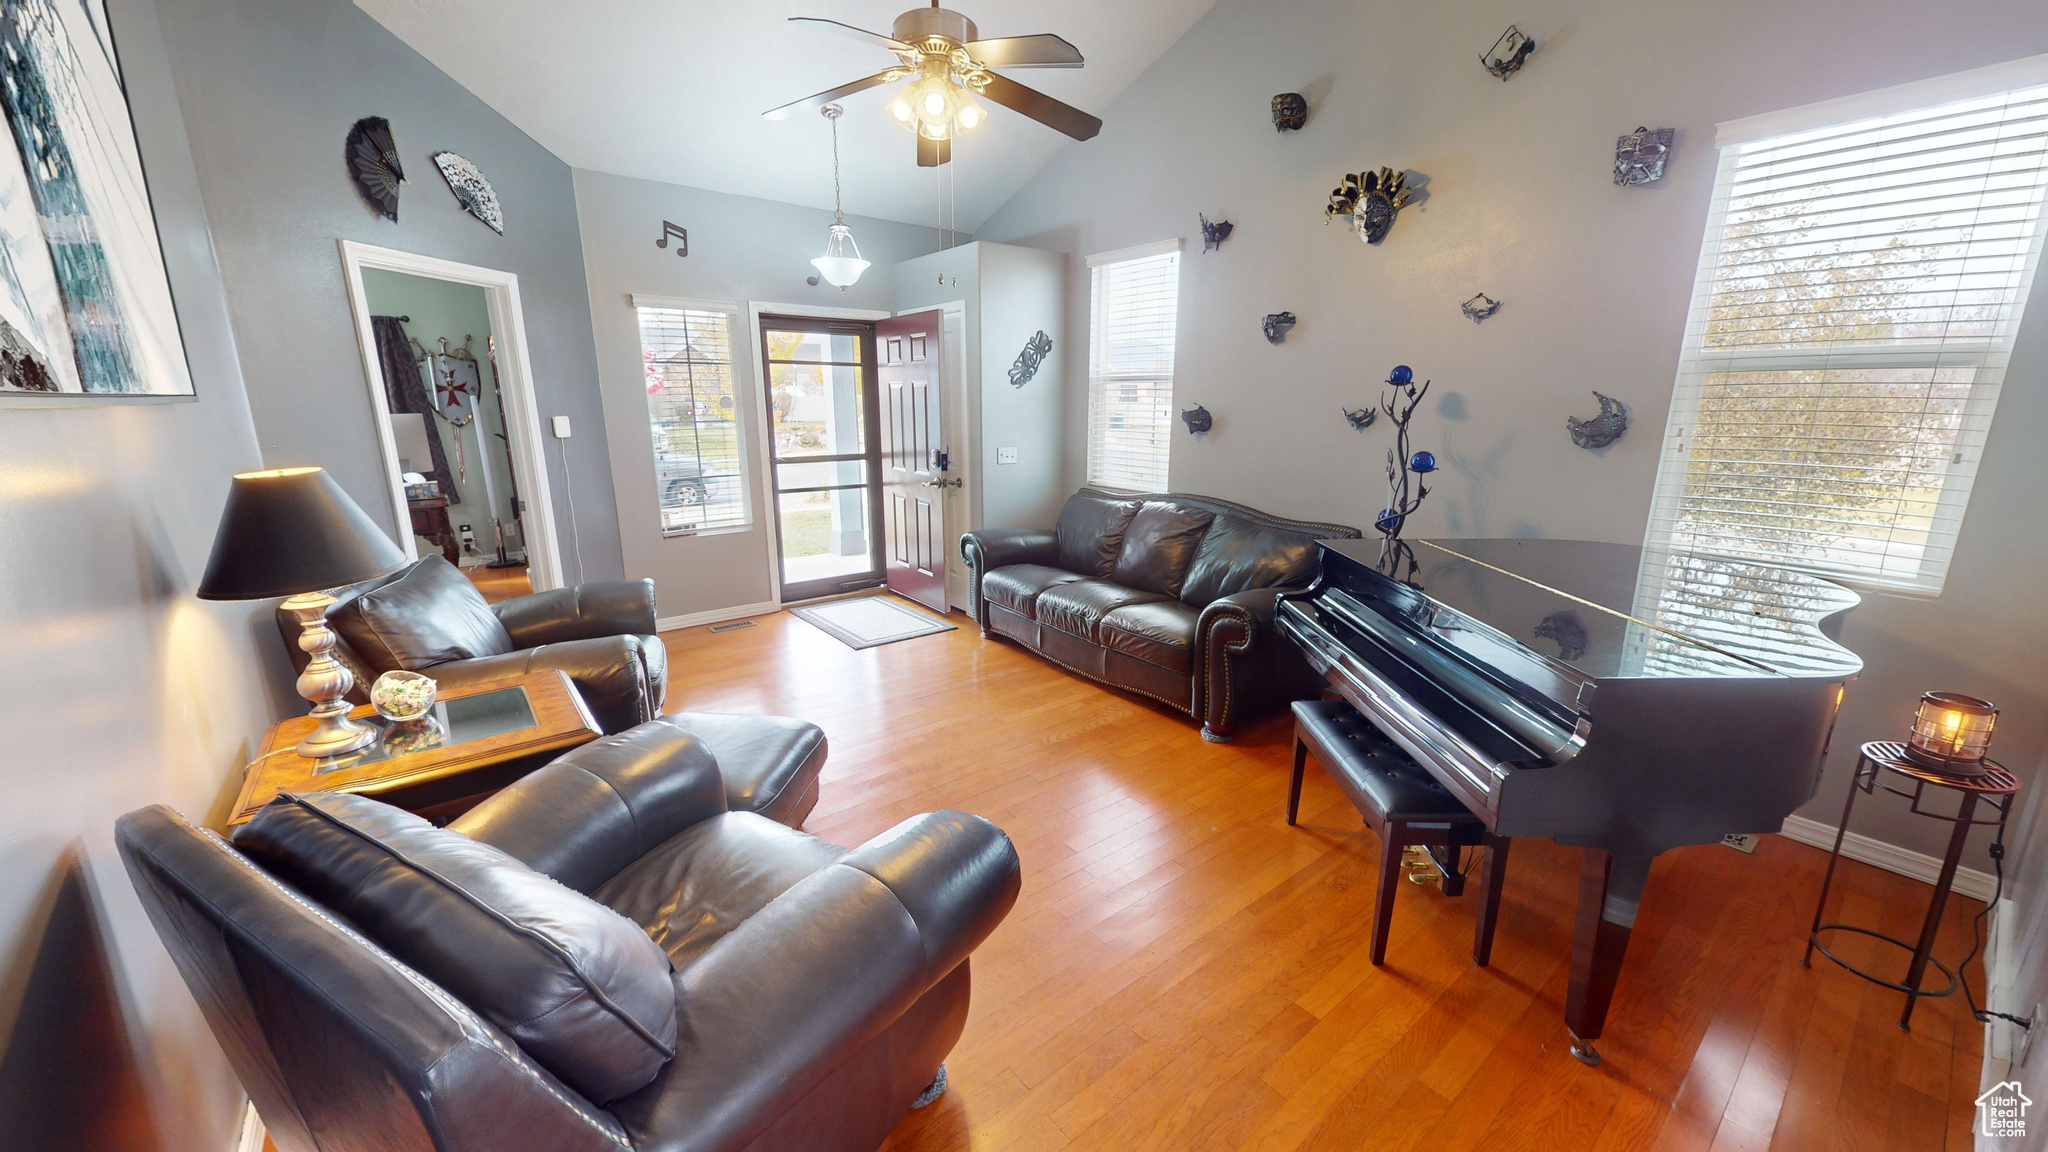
{"points": [[1006, 455]]}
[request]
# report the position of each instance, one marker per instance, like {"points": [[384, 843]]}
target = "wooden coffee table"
{"points": [[478, 739]]}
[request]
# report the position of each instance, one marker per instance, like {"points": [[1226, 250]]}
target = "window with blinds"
{"points": [[1858, 293], [699, 465], [1134, 301]]}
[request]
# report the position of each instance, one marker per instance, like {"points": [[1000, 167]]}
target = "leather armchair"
{"points": [[818, 990], [601, 634]]}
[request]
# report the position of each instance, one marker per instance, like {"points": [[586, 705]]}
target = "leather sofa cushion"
{"points": [[705, 882], [430, 615], [580, 987], [1018, 586], [1091, 532], [1237, 554], [1159, 546], [1161, 633], [1078, 607]]}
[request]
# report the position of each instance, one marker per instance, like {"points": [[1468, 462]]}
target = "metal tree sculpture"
{"points": [[1405, 470]]}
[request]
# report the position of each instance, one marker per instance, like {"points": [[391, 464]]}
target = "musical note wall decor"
{"points": [[681, 234]]}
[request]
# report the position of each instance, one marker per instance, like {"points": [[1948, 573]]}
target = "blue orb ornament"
{"points": [[1401, 374], [1388, 520], [1423, 462]]}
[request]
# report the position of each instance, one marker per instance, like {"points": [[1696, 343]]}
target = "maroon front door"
{"points": [[914, 480]]}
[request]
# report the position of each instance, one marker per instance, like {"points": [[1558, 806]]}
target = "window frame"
{"points": [[1985, 357], [1176, 247], [744, 457]]}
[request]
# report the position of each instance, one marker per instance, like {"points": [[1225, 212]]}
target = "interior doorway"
{"points": [[444, 350], [823, 463]]}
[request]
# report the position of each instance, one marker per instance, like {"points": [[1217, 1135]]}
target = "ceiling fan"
{"points": [[942, 49]]}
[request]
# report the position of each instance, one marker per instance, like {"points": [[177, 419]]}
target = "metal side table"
{"points": [[1995, 789]]}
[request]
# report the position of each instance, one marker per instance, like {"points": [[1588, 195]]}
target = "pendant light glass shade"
{"points": [[841, 264]]}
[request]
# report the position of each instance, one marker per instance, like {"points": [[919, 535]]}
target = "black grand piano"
{"points": [[1619, 699]]}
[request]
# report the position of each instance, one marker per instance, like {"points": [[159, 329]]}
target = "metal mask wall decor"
{"points": [[1639, 156], [1214, 233], [1361, 418], [1035, 351], [1508, 53], [1275, 325], [1601, 430], [1370, 200], [1479, 307], [1290, 112], [372, 160], [1197, 418], [471, 189]]}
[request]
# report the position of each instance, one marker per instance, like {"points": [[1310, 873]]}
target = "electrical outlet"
{"points": [[1006, 455], [1740, 841]]}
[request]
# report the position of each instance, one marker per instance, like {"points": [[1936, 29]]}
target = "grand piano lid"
{"points": [[1613, 610]]}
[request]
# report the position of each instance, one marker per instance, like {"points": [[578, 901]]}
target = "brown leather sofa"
{"points": [[428, 617], [1169, 596], [816, 991]]}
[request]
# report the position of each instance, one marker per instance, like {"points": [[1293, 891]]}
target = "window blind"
{"points": [[1858, 293], [699, 467], [1133, 313]]}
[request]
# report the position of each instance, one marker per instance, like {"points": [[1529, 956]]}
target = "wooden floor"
{"points": [[499, 583], [1184, 971]]}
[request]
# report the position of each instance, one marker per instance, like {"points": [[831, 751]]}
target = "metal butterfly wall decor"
{"points": [[1035, 351], [1214, 233], [1370, 200], [1601, 430], [372, 159], [472, 190]]}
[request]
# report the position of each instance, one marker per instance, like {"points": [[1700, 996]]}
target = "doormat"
{"points": [[866, 621]]}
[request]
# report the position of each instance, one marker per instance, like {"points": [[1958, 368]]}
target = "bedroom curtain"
{"points": [[405, 391]]}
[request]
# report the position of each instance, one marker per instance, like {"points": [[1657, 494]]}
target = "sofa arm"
{"points": [[623, 679], [779, 1003], [586, 816], [993, 548], [1231, 626], [613, 608]]}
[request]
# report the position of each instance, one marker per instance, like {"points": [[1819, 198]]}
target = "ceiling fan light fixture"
{"points": [[970, 114]]}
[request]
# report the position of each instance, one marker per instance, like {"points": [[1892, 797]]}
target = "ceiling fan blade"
{"points": [[888, 42], [932, 153], [1042, 108], [1044, 50], [831, 94]]}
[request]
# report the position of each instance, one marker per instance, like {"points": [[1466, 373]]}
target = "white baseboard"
{"points": [[253, 1134], [715, 616], [1890, 857]]}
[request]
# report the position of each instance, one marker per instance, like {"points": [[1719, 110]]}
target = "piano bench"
{"points": [[1405, 805]]}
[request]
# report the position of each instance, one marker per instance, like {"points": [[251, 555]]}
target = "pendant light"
{"points": [[841, 264]]}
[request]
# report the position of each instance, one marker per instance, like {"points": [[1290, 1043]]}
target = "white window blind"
{"points": [[699, 465], [1133, 312], [1858, 293]]}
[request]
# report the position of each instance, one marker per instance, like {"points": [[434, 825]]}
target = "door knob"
{"points": [[943, 482]]}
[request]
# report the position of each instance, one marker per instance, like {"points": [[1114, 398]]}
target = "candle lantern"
{"points": [[1951, 733]]}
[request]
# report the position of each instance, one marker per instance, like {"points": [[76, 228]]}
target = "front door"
{"points": [[914, 458], [823, 459]]}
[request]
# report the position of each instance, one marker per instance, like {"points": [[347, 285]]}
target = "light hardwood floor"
{"points": [[1184, 971], [499, 583]]}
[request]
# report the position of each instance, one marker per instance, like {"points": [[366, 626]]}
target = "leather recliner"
{"points": [[1169, 596], [428, 617], [818, 990]]}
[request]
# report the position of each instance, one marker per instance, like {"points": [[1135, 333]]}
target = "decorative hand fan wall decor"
{"points": [[372, 160], [472, 190], [951, 65]]}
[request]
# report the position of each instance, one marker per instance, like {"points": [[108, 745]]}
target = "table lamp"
{"points": [[1952, 733], [293, 532]]}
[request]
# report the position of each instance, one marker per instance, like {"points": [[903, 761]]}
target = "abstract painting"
{"points": [[85, 303]]}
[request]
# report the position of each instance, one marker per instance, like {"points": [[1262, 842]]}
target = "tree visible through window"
{"points": [[1859, 291], [699, 477]]}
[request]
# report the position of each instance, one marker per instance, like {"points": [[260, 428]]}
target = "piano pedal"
{"points": [[1419, 866]]}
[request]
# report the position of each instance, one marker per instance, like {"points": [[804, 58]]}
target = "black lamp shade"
{"points": [[291, 530]]}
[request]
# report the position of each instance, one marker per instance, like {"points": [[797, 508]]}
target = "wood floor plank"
{"points": [[1185, 971]]}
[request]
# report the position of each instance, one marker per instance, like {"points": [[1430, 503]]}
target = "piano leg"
{"points": [[1610, 890]]}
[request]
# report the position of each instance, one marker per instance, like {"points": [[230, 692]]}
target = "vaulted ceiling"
{"points": [[674, 91]]}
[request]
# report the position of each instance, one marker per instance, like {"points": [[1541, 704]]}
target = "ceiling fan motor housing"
{"points": [[920, 24]]}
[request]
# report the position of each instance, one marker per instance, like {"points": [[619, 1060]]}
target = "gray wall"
{"points": [[742, 250], [270, 88], [1596, 281], [122, 690]]}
